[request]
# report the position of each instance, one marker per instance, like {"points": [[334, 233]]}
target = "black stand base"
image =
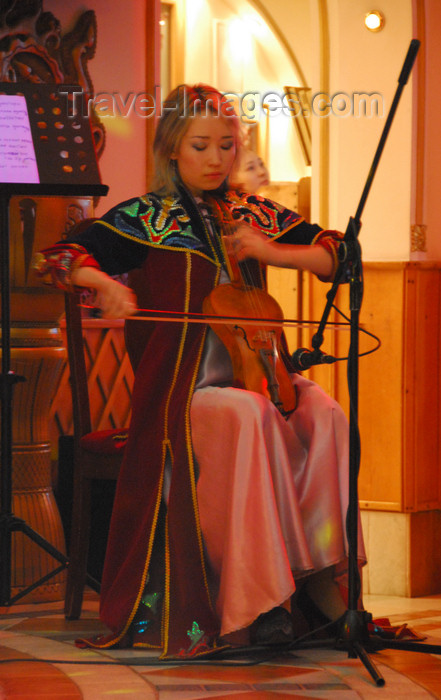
{"points": [[9, 524], [355, 638]]}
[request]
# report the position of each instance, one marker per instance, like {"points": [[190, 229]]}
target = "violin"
{"points": [[255, 348]]}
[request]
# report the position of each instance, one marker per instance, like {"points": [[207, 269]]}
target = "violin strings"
{"points": [[228, 225]]}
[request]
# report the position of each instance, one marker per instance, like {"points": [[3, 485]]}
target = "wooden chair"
{"points": [[97, 455]]}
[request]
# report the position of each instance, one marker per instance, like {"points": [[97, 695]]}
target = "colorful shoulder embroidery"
{"points": [[153, 219], [260, 212]]}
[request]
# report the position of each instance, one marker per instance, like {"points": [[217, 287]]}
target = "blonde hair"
{"points": [[180, 106]]}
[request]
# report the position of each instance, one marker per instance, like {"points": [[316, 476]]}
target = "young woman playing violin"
{"points": [[231, 496]]}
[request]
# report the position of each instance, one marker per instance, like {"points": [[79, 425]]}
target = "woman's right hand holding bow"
{"points": [[113, 298]]}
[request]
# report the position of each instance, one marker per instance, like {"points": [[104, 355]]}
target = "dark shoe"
{"points": [[315, 618], [273, 627]]}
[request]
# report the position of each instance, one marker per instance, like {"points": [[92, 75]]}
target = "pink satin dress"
{"points": [[272, 493]]}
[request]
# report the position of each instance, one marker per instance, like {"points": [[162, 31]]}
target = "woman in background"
{"points": [[249, 172]]}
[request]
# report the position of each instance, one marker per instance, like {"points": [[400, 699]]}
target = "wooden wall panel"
{"points": [[421, 360], [399, 387], [399, 399], [379, 379], [380, 397]]}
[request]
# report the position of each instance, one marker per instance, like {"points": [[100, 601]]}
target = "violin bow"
{"points": [[194, 317]]}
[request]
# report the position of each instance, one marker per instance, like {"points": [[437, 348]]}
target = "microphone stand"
{"points": [[354, 631]]}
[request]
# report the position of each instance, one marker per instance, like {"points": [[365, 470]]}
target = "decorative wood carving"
{"points": [[34, 49], [418, 238]]}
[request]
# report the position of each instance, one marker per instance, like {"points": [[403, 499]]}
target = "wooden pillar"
{"points": [[38, 355]]}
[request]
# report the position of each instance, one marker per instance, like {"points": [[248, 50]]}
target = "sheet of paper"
{"points": [[17, 154]]}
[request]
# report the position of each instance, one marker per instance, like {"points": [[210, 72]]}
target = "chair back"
{"points": [[77, 366]]}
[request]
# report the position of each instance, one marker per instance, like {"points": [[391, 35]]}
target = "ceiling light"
{"points": [[374, 21]]}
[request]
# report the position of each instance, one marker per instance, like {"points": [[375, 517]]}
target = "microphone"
{"points": [[304, 358]]}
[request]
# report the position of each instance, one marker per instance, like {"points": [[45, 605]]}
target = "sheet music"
{"points": [[17, 153]]}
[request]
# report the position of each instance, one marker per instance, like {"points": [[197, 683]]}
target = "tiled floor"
{"points": [[38, 659]]}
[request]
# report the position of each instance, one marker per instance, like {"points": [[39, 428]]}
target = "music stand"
{"points": [[43, 151]]}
